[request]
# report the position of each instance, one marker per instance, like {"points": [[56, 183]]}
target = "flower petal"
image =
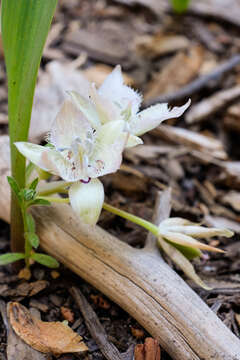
{"points": [[114, 89], [175, 221], [184, 264], [87, 108], [108, 133], [87, 200], [69, 124], [33, 153], [186, 240], [133, 141], [106, 109], [200, 231], [107, 158], [50, 160], [151, 117], [62, 167]]}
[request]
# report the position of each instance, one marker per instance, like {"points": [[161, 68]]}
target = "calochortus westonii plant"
{"points": [[88, 137], [87, 140]]}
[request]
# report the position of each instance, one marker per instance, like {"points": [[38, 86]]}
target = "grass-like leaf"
{"points": [[25, 25]]}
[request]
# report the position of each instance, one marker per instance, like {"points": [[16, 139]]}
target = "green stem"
{"points": [[124, 214], [135, 219], [53, 188], [28, 246], [54, 199]]}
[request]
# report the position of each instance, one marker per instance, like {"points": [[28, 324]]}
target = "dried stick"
{"points": [[148, 289], [196, 85], [95, 327]]}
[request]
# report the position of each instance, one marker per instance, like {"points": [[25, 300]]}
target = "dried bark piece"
{"points": [[150, 350], [46, 337], [67, 314], [207, 107], [25, 289], [160, 44], [180, 70], [192, 139]]}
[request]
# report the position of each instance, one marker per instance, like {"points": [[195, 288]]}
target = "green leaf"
{"points": [[34, 184], [14, 186], [46, 260], [30, 223], [40, 201], [10, 258], [180, 5], [32, 238], [25, 25]]}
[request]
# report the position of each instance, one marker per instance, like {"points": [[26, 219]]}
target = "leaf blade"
{"points": [[46, 260]]}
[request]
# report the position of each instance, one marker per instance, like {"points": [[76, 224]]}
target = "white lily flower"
{"points": [[184, 232], [115, 101], [79, 153]]}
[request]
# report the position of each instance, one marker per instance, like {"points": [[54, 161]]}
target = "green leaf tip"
{"points": [[45, 260]]}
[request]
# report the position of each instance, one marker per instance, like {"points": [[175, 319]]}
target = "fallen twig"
{"points": [[207, 107], [196, 85], [95, 327]]}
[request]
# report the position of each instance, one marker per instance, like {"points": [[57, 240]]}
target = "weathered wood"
{"points": [[135, 279]]}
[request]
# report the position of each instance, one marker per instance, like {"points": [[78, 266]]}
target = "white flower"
{"points": [[183, 232], [114, 101], [79, 153], [87, 139]]}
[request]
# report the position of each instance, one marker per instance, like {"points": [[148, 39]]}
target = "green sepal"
{"points": [[40, 201], [34, 184], [189, 252], [32, 238], [10, 258], [46, 260]]}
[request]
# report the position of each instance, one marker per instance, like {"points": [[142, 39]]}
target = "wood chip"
{"points": [[207, 107], [67, 314], [25, 289], [180, 70], [150, 350], [108, 42], [222, 222], [232, 198], [46, 337], [158, 44], [191, 139]]}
